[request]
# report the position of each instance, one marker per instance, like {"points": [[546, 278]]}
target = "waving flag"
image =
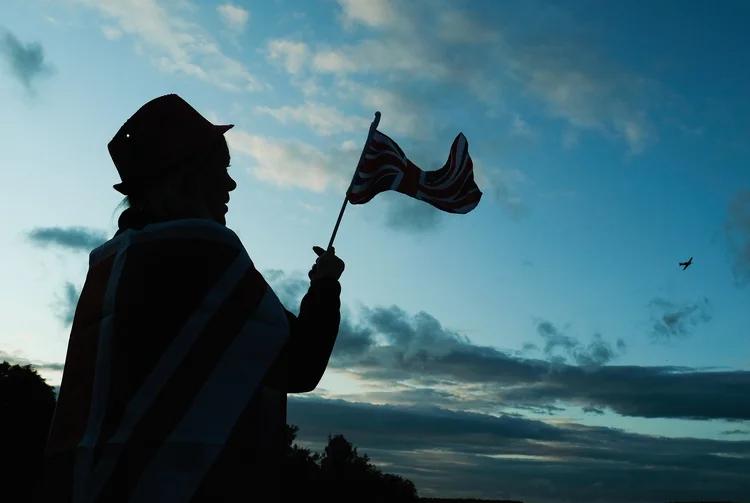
{"points": [[384, 166]]}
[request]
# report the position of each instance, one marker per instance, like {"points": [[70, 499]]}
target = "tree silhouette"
{"points": [[340, 461], [27, 404], [352, 477], [340, 474], [300, 473]]}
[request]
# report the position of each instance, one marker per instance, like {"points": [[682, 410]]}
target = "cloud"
{"points": [[67, 303], [292, 54], [111, 33], [737, 233], [383, 346], [521, 128], [233, 16], [77, 239], [461, 454], [323, 119], [592, 410], [672, 321], [414, 42], [26, 61], [16, 358], [582, 87], [435, 55], [500, 184], [401, 73], [410, 215], [174, 43], [403, 113], [290, 163], [736, 432], [374, 13], [597, 353]]}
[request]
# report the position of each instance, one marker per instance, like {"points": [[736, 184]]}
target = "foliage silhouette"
{"points": [[464, 500], [339, 474], [27, 404]]}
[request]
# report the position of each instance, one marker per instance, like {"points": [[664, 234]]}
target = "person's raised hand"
{"points": [[328, 265]]}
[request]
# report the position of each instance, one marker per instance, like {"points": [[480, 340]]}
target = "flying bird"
{"points": [[685, 265]]}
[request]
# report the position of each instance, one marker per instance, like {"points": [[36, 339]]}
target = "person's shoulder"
{"points": [[191, 228], [174, 238]]}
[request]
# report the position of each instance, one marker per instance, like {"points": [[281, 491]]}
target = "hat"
{"points": [[161, 134]]}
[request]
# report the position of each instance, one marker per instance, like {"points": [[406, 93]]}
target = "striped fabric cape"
{"points": [[179, 361]]}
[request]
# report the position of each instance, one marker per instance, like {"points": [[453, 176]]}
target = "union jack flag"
{"points": [[384, 166]]}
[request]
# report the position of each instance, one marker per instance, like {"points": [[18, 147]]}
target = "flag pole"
{"points": [[373, 127]]}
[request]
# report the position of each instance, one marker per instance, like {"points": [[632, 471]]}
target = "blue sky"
{"points": [[611, 142]]}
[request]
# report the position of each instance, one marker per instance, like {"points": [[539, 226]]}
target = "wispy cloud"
{"points": [[675, 321], [413, 42], [111, 33], [291, 54], [17, 358], [26, 61], [324, 120], [289, 163], [521, 128], [736, 432], [586, 90], [560, 347], [502, 186], [174, 43], [67, 303], [423, 54], [409, 215], [233, 16], [77, 239]]}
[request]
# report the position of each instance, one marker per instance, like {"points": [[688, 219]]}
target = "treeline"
{"points": [[464, 500], [339, 473]]}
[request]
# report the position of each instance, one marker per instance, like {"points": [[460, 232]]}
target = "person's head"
{"points": [[173, 163]]}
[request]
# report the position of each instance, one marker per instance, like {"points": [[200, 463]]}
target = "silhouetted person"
{"points": [[181, 355]]}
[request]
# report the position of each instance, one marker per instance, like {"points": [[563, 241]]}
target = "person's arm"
{"points": [[312, 335]]}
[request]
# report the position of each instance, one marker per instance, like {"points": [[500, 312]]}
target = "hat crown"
{"points": [[159, 135]]}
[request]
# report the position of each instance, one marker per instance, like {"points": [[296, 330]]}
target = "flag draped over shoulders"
{"points": [[384, 166], [172, 385]]}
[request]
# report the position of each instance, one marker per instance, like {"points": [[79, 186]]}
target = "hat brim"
{"points": [[125, 189], [121, 188]]}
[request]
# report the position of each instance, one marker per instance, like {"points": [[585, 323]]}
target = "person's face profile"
{"points": [[217, 183]]}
